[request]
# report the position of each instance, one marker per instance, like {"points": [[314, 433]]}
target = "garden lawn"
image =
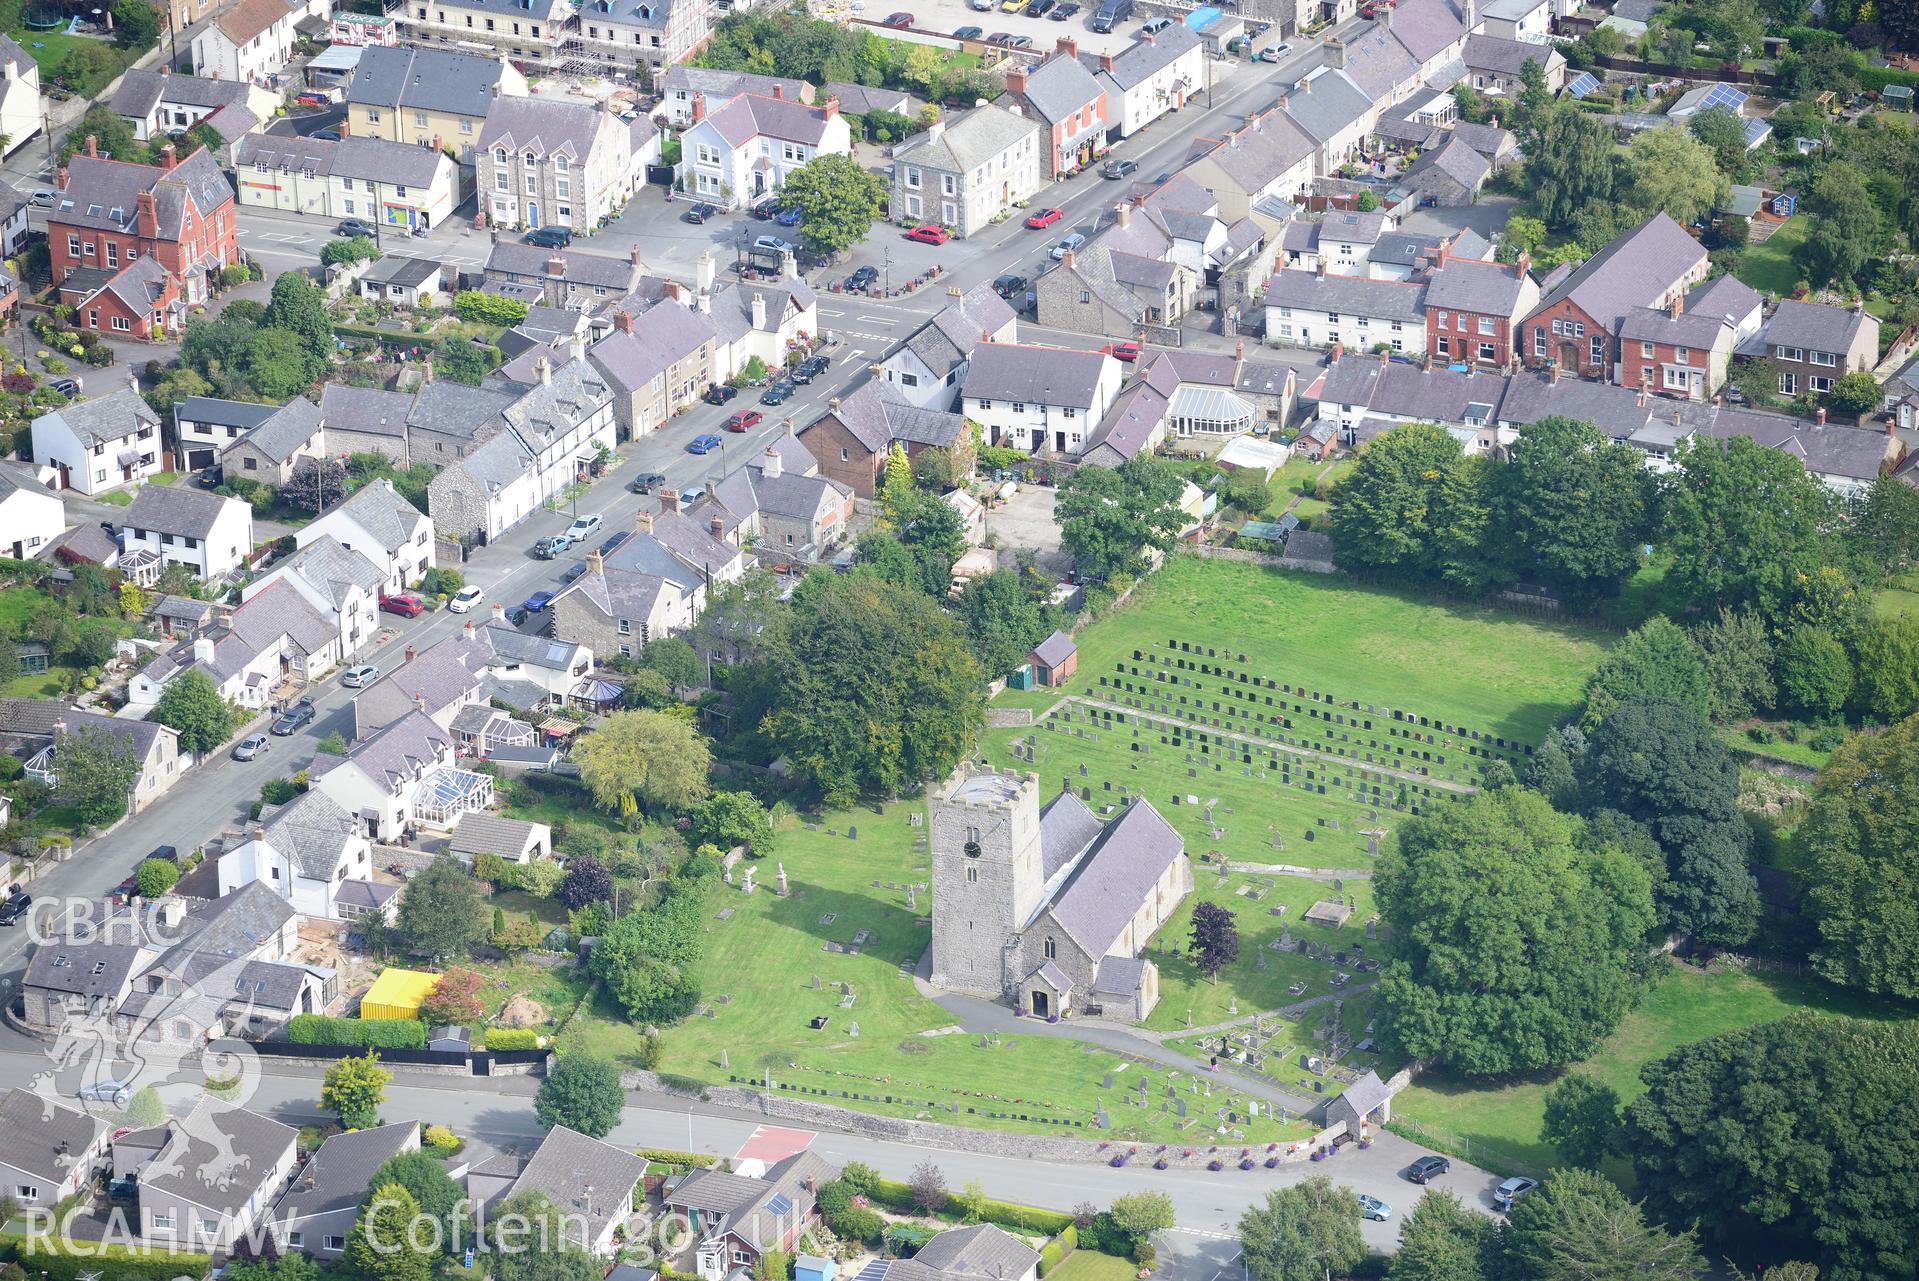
{"points": [[908, 1055], [1769, 267], [1091, 1265], [53, 48], [1486, 669], [1497, 1125]]}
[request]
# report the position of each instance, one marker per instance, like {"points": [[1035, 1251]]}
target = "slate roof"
{"points": [[280, 609], [314, 832], [140, 284], [81, 969], [194, 1162], [1366, 1094], [949, 337], [581, 268], [1332, 103], [294, 425], [546, 126], [1426, 27], [1119, 975], [1055, 649], [1256, 154], [479, 833], [441, 674], [878, 414], [567, 1163], [1348, 295], [182, 609], [516, 646], [662, 334], [859, 100], [365, 409], [455, 409], [620, 592], [141, 91], [1138, 61], [1814, 326], [1486, 288], [224, 413], [1488, 140], [1129, 424], [1378, 63], [106, 419], [336, 1177], [1503, 56], [169, 509], [1699, 330], [717, 84], [1454, 159], [1635, 270], [334, 569], [377, 159], [538, 10], [748, 116], [1105, 885], [401, 752], [1035, 375], [751, 1207], [396, 269], [1059, 88], [40, 1130], [969, 141], [459, 84], [97, 188], [380, 510]]}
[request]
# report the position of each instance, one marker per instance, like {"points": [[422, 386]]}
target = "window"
{"points": [[1018, 408], [559, 164], [1052, 947], [1486, 325], [1597, 349], [1791, 353], [113, 254], [1822, 358], [843, 457], [87, 249], [1444, 347], [1789, 384], [26, 1192], [1442, 318], [499, 183], [210, 1227], [909, 380], [335, 1243], [1645, 350], [1819, 384], [163, 1221], [972, 874], [297, 1240], [626, 627], [499, 156], [1681, 356], [1488, 352], [122, 324], [419, 119]]}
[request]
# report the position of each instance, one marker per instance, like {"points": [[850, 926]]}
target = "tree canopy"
{"points": [[1302, 1232], [1414, 509], [656, 758], [1577, 1226], [838, 199], [1572, 168], [96, 771], [191, 706], [1513, 946], [1654, 660], [1110, 518], [1740, 520], [1003, 622], [1576, 508], [582, 1093], [442, 911], [1674, 172]]}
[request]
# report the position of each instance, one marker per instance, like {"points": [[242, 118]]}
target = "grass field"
{"points": [[907, 1058], [1769, 267], [1090, 1265], [1498, 1125]]}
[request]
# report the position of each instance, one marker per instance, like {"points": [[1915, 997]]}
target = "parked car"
{"points": [[1011, 6], [537, 601], [1119, 168], [550, 546], [1512, 1190], [980, 6], [1427, 1168], [1009, 286], [1072, 242], [999, 38], [1153, 26], [550, 237], [809, 369], [646, 482], [863, 278], [65, 386], [930, 233], [209, 478], [1063, 12], [1273, 53], [1038, 8], [969, 33], [467, 599], [1044, 218], [583, 527], [354, 227], [704, 443], [403, 603], [325, 135], [1126, 351], [773, 245], [253, 745], [744, 419], [699, 213], [47, 198], [15, 907], [1371, 1207], [788, 217], [114, 1092], [778, 394], [295, 717], [359, 674], [692, 494], [1019, 42], [616, 542], [900, 19]]}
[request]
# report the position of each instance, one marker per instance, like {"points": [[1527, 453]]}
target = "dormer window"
{"points": [[530, 159]]}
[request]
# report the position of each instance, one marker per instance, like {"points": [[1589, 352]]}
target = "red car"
{"points": [[1123, 350], [405, 603], [744, 419], [901, 19], [930, 234], [1044, 218]]}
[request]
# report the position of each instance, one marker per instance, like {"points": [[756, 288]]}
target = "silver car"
{"points": [[253, 745], [364, 674], [114, 1092]]}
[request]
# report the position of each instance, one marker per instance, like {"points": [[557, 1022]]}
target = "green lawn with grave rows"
{"points": [[1281, 1044], [1482, 669], [758, 1001]]}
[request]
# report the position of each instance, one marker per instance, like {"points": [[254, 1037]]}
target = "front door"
{"points": [[1042, 1004], [532, 215]]}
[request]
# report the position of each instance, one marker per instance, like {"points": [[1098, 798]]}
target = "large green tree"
{"points": [[1741, 521], [646, 959], [658, 758], [1578, 1226], [1574, 165], [1788, 1140], [439, 1196], [1658, 764], [1415, 509], [1577, 507], [443, 911], [1440, 1239], [1002, 620], [581, 1093], [1845, 230], [1859, 847], [838, 201], [1654, 660], [1815, 672], [353, 1090], [1674, 173], [1302, 1233], [1513, 947], [95, 770], [299, 307], [531, 1239], [1886, 668], [1110, 518], [876, 689], [191, 706], [727, 819], [1735, 650], [1722, 131], [278, 364], [385, 1244], [1582, 1120]]}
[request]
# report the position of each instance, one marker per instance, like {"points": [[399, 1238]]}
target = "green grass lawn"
{"points": [[1498, 1124], [1482, 668], [1090, 1265], [758, 1001], [50, 49], [18, 604], [1769, 267], [117, 497]]}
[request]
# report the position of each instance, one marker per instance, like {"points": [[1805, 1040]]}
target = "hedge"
{"points": [[1877, 78], [666, 1156], [512, 1038], [378, 1034], [1070, 1236], [48, 1258], [1050, 1256], [898, 1197]]}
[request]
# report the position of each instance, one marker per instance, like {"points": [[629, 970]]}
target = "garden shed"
{"points": [[397, 994]]}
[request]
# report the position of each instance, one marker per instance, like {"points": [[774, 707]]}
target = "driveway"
{"points": [[1025, 523]]}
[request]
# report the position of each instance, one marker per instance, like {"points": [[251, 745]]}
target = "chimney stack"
{"points": [[60, 178], [1522, 265], [633, 256], [716, 526], [699, 107], [1674, 305], [1106, 63], [1016, 80], [830, 109], [543, 369], [669, 500], [466, 628], [703, 274], [770, 464], [1068, 258], [499, 612], [623, 321], [1645, 389], [1335, 52], [1339, 349], [556, 266], [1067, 46], [779, 92], [1819, 416], [167, 158], [1306, 86], [411, 653], [419, 701], [643, 522], [1123, 213], [595, 563], [93, 146]]}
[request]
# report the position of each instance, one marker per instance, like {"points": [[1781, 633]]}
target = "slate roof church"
{"points": [[1050, 908]]}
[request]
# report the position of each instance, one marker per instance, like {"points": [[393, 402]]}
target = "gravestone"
{"points": [[1101, 1120], [853, 1030], [723, 1062], [816, 982], [1179, 1107], [852, 833], [1106, 1082]]}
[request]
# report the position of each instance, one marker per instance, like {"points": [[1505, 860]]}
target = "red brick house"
{"points": [[1063, 95], [112, 213], [1472, 308], [1576, 324], [141, 300]]}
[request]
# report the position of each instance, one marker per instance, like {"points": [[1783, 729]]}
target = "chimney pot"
{"points": [[669, 500], [1819, 416], [699, 107], [595, 563], [779, 91], [93, 146], [643, 521], [623, 321], [633, 256], [411, 653], [167, 157], [716, 527]]}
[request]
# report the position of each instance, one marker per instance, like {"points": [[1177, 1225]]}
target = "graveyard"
{"points": [[812, 991]]}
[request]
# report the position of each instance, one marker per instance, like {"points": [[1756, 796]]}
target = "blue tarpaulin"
{"points": [[1198, 19]]}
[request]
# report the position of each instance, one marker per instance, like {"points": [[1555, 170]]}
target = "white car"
{"points": [[1073, 241], [583, 528], [364, 674], [43, 198], [466, 599]]}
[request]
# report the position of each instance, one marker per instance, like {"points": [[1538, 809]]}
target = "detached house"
{"points": [[383, 527], [316, 856], [854, 437], [317, 1211], [100, 444], [591, 1182], [203, 426], [342, 586], [168, 525], [207, 1177], [1066, 98], [964, 172], [744, 150], [400, 777], [31, 515], [1043, 399], [162, 102], [20, 117], [550, 162], [682, 86], [52, 1149], [746, 1214]]}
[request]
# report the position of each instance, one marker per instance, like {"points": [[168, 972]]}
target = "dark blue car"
{"points": [[787, 217], [537, 602], [703, 444]]}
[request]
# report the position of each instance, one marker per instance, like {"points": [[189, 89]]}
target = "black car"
{"points": [[1427, 1168], [1063, 12], [294, 717], [863, 278], [550, 237], [1009, 286], [616, 542], [355, 227], [719, 394], [165, 853], [1038, 8], [698, 213], [208, 479], [1120, 168], [809, 369], [15, 907], [777, 394], [646, 482]]}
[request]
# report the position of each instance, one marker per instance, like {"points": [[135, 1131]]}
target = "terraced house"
{"points": [[626, 35], [521, 30], [427, 97], [963, 173], [543, 162]]}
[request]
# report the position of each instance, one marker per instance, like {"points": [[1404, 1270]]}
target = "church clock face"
{"points": [[972, 849]]}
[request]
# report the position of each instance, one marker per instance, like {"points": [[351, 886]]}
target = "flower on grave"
{"points": [[1160, 1164], [1272, 1163], [1118, 1160], [1215, 1164], [1246, 1164]]}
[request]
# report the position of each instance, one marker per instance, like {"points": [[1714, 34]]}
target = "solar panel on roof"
{"points": [[1722, 95], [779, 1205], [1584, 84]]}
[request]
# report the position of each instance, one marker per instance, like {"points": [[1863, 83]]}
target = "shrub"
{"points": [[487, 309], [540, 877], [379, 1034], [440, 1141], [679, 1160], [155, 876], [512, 1038], [441, 583], [126, 1263], [495, 871], [1050, 1256], [278, 791], [1144, 1254], [859, 1225]]}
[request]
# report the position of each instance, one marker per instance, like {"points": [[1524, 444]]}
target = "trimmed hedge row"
{"points": [[48, 1258], [512, 1038], [1051, 1255], [666, 1156], [898, 1197], [378, 1034], [1877, 78]]}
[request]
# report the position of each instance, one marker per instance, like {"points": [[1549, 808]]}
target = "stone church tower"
{"points": [[988, 874]]}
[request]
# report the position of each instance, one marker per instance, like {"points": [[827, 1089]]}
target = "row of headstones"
{"points": [[1349, 751]]}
